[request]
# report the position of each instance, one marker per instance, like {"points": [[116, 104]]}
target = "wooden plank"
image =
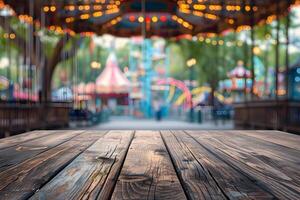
{"points": [[16, 154], [276, 181], [148, 172], [277, 137], [195, 179], [214, 178], [272, 151], [19, 139], [86, 175], [280, 157], [272, 148], [23, 180]]}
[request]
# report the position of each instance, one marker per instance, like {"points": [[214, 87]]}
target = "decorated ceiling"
{"points": [[166, 18]]}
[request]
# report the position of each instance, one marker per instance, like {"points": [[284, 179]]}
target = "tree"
{"points": [[30, 48]]}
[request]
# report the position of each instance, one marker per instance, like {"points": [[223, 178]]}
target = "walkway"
{"points": [[122, 123]]}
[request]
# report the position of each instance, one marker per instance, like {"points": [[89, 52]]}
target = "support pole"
{"points": [[246, 55], [287, 64], [252, 50], [266, 63], [287, 58], [277, 52]]}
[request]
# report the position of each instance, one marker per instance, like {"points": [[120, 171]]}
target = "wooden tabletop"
{"points": [[150, 165]]}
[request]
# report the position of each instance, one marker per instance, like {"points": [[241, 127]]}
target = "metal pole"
{"points": [[191, 88], [287, 63], [277, 65], [266, 63], [277, 52], [246, 52], [287, 59], [252, 50]]}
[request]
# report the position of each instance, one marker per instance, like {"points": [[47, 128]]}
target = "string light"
{"points": [[141, 19], [182, 22], [154, 19], [112, 22], [200, 8]]}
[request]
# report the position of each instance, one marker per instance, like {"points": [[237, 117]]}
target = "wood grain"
{"points": [[266, 153], [232, 183], [148, 172], [16, 154], [85, 177], [23, 180], [19, 139], [261, 169], [277, 137], [150, 165], [196, 180]]}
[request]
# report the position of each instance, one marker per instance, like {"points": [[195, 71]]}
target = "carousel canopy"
{"points": [[112, 80], [239, 72], [151, 17]]}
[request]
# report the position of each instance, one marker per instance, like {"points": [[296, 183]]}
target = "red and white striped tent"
{"points": [[112, 81]]}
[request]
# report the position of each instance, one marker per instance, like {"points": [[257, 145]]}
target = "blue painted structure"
{"points": [[294, 83]]}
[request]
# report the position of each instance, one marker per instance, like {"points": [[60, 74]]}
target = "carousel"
{"points": [[239, 82], [110, 91]]}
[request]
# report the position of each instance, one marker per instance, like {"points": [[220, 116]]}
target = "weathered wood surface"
{"points": [[261, 161], [150, 165], [214, 179], [148, 172], [277, 137], [86, 175], [19, 139], [24, 179], [15, 154]]}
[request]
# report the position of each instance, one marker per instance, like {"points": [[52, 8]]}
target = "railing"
{"points": [[17, 117], [278, 115]]}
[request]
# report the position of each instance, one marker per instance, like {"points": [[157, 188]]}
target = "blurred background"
{"points": [[243, 77]]}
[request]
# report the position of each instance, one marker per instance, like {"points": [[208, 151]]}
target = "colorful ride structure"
{"points": [[148, 61], [239, 82], [110, 89], [186, 97], [112, 86], [13, 92], [180, 95]]}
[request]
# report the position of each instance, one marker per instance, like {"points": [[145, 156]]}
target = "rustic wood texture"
{"points": [[19, 139], [277, 137], [259, 160], [148, 172], [28, 149], [24, 179], [86, 175], [196, 180], [214, 179], [150, 165]]}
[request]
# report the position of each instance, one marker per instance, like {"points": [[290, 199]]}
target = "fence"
{"points": [[16, 118], [278, 115]]}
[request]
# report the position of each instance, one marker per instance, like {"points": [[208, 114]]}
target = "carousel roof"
{"points": [[239, 72], [153, 17], [112, 80]]}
